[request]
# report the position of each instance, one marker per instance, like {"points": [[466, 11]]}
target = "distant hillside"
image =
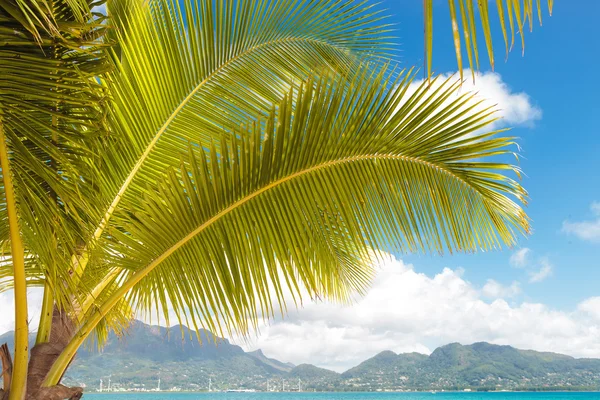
{"points": [[309, 371], [387, 363], [488, 364], [480, 365], [258, 354], [149, 352], [316, 378]]}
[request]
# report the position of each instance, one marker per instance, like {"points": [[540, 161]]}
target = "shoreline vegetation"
{"points": [[524, 390], [148, 360]]}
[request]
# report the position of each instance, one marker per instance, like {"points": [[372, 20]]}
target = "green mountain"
{"points": [[316, 378], [176, 356], [387, 363], [484, 364], [480, 365], [281, 366], [309, 371]]}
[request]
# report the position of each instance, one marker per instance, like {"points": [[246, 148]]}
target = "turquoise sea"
{"points": [[349, 396]]}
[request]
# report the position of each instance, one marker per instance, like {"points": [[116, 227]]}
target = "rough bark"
{"points": [[41, 359], [6, 371], [43, 356]]}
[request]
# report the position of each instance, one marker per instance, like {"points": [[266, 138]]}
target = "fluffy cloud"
{"points": [[591, 307], [409, 311], [495, 290], [537, 270], [7, 309], [520, 258], [514, 108], [544, 272], [406, 311], [586, 230]]}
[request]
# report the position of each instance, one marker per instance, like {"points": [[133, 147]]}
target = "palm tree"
{"points": [[204, 157]]}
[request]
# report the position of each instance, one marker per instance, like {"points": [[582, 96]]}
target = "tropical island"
{"points": [[219, 162], [151, 358]]}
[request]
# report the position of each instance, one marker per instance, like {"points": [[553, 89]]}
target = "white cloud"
{"points": [[514, 108], [405, 311], [520, 258], [591, 307], [409, 311], [586, 230], [544, 272], [495, 290], [7, 309], [537, 270]]}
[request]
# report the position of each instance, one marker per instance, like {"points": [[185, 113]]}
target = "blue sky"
{"points": [[559, 72], [549, 298]]}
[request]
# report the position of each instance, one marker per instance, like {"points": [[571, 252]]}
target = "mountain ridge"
{"points": [[282, 366], [180, 360]]}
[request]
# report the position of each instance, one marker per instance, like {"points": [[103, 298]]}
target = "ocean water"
{"points": [[349, 396]]}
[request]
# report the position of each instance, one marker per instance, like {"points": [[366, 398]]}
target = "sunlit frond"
{"points": [[184, 72], [95, 287], [33, 271], [116, 321], [515, 16], [51, 112], [300, 199]]}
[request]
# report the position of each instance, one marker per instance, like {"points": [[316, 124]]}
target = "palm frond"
{"points": [[51, 110], [299, 200], [40, 18], [35, 274], [186, 72], [513, 15], [116, 321], [95, 287]]}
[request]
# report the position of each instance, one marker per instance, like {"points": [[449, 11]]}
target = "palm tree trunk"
{"points": [[43, 356], [19, 375], [6, 362]]}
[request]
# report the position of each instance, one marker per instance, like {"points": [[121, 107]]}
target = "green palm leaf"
{"points": [[299, 200], [51, 114], [513, 15], [186, 73]]}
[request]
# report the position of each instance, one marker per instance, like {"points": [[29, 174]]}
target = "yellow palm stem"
{"points": [[18, 387], [97, 291], [45, 325]]}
